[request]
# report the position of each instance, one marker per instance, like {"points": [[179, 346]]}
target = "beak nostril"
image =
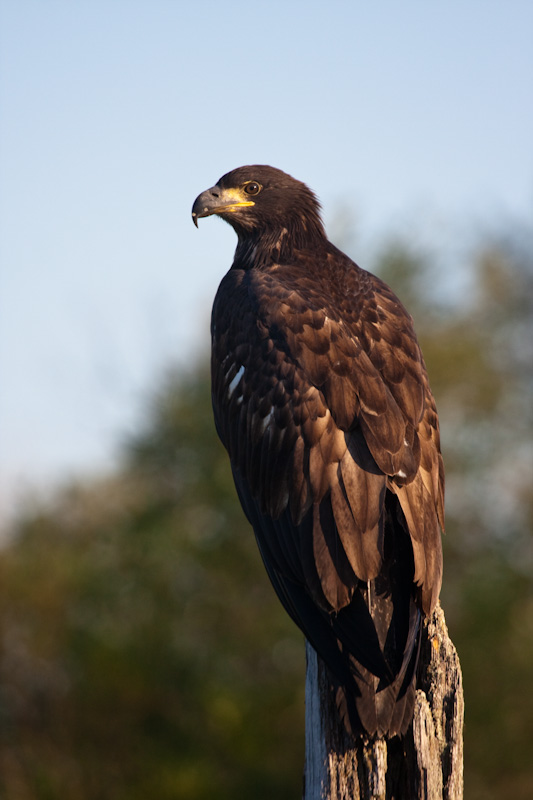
{"points": [[214, 194]]}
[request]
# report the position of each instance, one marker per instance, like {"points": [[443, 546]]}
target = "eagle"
{"points": [[321, 398]]}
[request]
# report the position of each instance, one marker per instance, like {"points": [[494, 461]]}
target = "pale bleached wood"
{"points": [[426, 764]]}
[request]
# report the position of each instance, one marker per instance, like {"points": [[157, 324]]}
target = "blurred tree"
{"points": [[143, 652]]}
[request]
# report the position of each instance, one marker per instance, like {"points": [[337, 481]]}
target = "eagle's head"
{"points": [[258, 200]]}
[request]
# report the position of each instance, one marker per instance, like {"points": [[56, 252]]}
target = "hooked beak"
{"points": [[218, 201]]}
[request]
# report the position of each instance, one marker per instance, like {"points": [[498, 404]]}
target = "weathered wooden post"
{"points": [[427, 764]]}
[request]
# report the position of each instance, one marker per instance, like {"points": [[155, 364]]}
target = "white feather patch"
{"points": [[234, 383], [265, 422]]}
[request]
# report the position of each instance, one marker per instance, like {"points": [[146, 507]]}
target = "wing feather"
{"points": [[326, 407]]}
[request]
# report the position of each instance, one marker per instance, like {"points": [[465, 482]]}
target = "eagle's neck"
{"points": [[278, 244]]}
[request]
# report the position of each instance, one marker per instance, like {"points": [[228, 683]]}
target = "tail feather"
{"points": [[368, 706]]}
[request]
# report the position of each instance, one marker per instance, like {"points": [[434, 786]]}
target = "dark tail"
{"points": [[380, 706], [377, 691]]}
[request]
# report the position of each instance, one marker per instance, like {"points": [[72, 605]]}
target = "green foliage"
{"points": [[143, 651]]}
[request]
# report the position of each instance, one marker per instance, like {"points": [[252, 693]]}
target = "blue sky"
{"points": [[115, 115]]}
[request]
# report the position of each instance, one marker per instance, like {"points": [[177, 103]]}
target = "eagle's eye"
{"points": [[252, 188]]}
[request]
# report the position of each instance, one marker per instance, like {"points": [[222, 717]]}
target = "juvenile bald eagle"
{"points": [[321, 398]]}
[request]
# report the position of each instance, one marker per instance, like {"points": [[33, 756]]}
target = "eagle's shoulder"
{"points": [[357, 345]]}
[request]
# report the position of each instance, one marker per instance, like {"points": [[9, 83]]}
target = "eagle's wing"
{"points": [[322, 411]]}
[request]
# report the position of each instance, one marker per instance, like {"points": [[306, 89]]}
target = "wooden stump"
{"points": [[426, 764]]}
